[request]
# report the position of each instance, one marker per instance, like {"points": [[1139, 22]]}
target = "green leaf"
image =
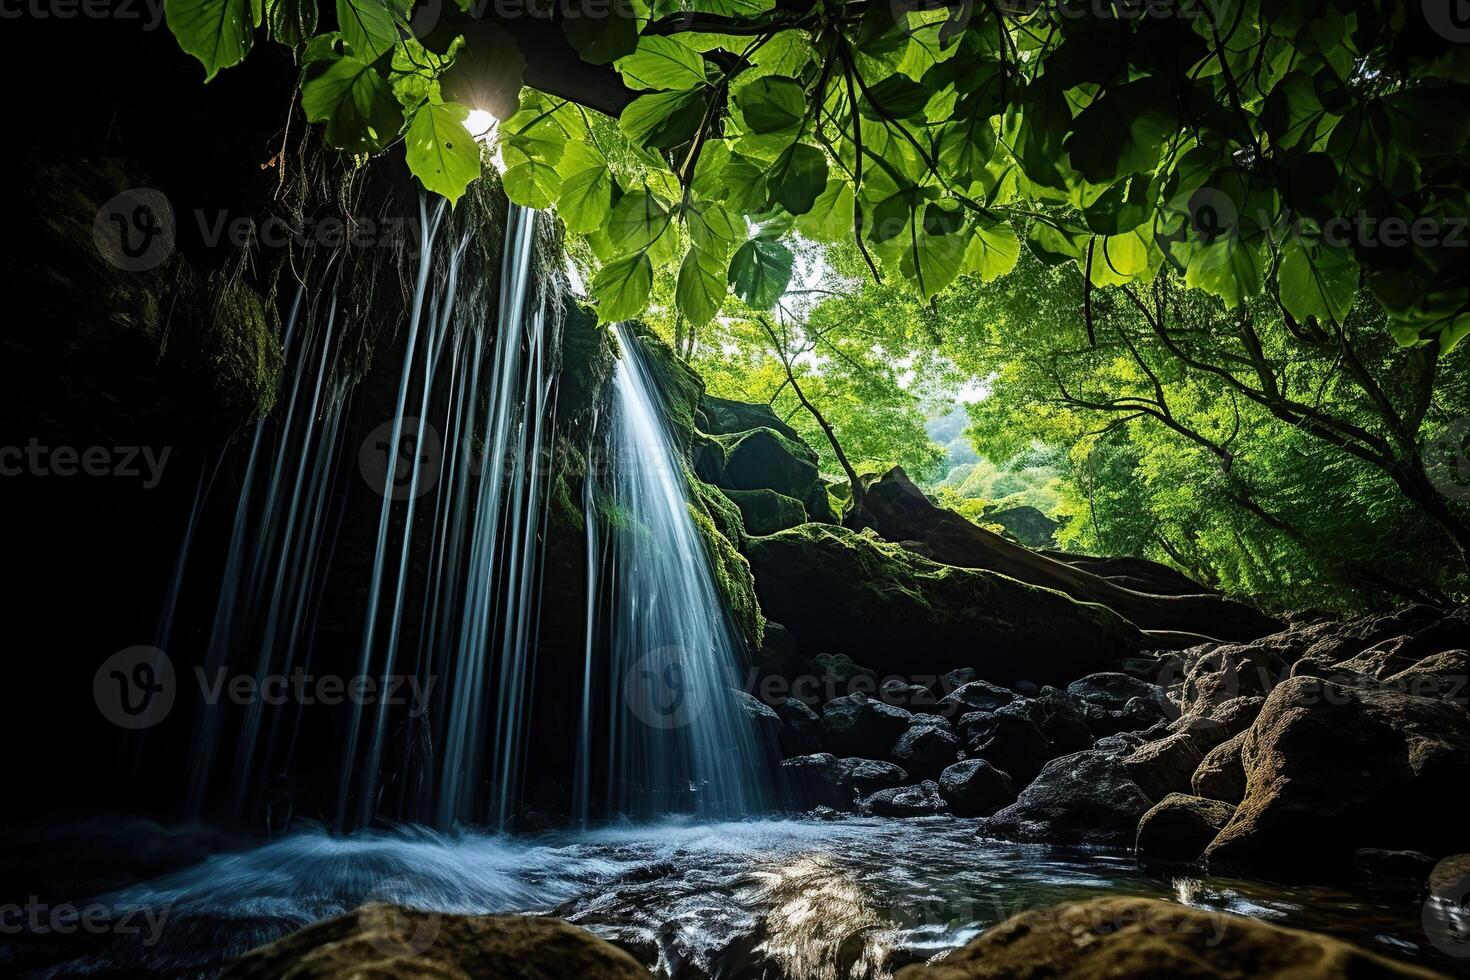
{"points": [[621, 288], [931, 262], [367, 27], [217, 32], [992, 252], [645, 117], [830, 218], [440, 150], [773, 104], [586, 190], [1053, 246], [291, 21], [662, 63], [797, 177], [1123, 131], [760, 272], [714, 229], [1318, 281], [1227, 267], [602, 31], [355, 102], [701, 287], [637, 221], [531, 184]]}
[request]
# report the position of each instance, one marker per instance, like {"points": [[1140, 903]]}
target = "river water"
{"points": [[794, 898]]}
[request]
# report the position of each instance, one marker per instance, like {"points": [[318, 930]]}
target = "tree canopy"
{"points": [[1310, 151]]}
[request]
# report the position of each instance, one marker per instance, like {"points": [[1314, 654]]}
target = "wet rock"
{"points": [[1058, 716], [857, 725], [922, 800], [1179, 827], [1010, 743], [801, 728], [381, 940], [914, 697], [846, 591], [925, 750], [1346, 768], [1237, 714], [1439, 675], [1123, 743], [1082, 798], [1112, 691], [1155, 940], [975, 696], [975, 788], [956, 679], [1163, 767], [841, 670], [1228, 671], [1221, 774], [822, 779], [767, 723], [1413, 866]]}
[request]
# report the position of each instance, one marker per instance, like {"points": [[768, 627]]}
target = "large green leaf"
{"points": [[217, 32], [831, 217], [291, 21], [662, 63], [760, 272], [531, 184], [931, 262], [1317, 280], [586, 189], [992, 252], [359, 108], [1123, 131], [621, 288], [797, 177], [367, 27], [637, 221], [602, 31], [440, 150], [701, 287], [773, 104], [645, 119]]}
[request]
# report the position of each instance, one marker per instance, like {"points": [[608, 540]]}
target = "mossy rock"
{"points": [[766, 511], [724, 416], [680, 388], [243, 348], [897, 612], [764, 459], [732, 577], [727, 516]]}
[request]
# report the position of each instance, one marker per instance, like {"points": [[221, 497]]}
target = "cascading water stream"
{"points": [[680, 742]]}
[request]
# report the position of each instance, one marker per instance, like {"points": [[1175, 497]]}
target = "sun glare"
{"points": [[481, 124]]}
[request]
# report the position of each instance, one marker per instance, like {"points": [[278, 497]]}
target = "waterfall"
{"points": [[680, 742]]}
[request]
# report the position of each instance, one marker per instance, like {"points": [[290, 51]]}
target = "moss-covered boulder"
{"points": [[386, 941], [766, 511], [765, 459], [724, 416], [898, 613], [1153, 939]]}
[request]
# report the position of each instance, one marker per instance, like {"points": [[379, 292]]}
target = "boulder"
{"points": [[1345, 768], [763, 717], [766, 511], [838, 670], [801, 728], [1231, 670], [922, 800], [724, 416], [1439, 675], [899, 511], [841, 590], [975, 696], [925, 750], [1411, 866], [380, 940], [1179, 827], [1163, 767], [914, 697], [857, 725], [1082, 798], [975, 788], [1221, 774], [1011, 743], [822, 779], [1154, 940], [1058, 716], [1112, 691], [764, 459]]}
